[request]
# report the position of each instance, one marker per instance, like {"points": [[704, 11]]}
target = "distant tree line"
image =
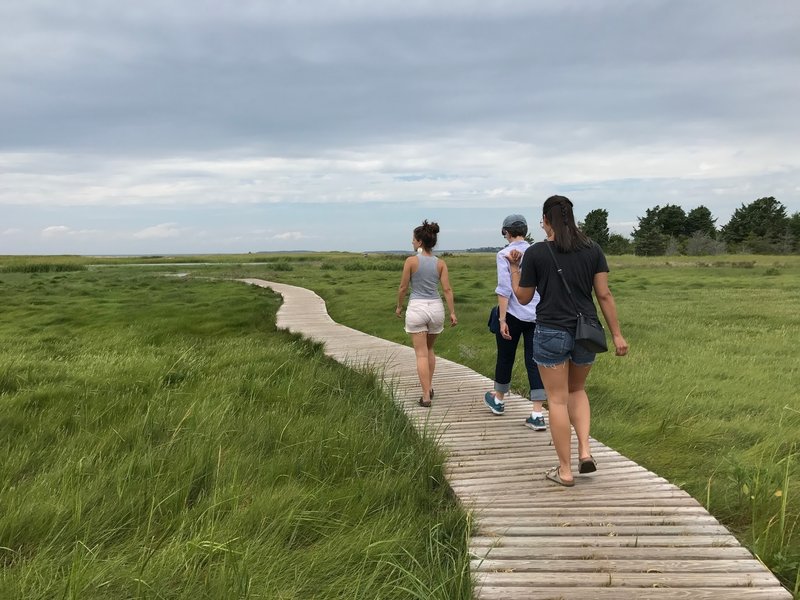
{"points": [[761, 227]]}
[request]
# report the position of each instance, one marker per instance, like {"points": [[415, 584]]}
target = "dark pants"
{"points": [[507, 352]]}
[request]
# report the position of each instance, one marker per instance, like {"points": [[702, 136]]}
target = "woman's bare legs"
{"points": [[556, 384], [579, 410], [420, 341], [431, 356]]}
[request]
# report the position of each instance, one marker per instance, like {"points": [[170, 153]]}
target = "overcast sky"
{"points": [[178, 126]]}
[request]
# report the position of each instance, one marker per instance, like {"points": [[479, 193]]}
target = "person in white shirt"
{"points": [[516, 321]]}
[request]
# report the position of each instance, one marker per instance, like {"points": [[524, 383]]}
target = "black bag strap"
{"points": [[560, 272]]}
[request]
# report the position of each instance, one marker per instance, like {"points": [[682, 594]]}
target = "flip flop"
{"points": [[555, 476], [424, 403], [587, 465]]}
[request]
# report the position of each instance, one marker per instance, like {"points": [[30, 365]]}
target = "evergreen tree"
{"points": [[596, 226], [672, 221], [648, 239], [699, 220], [649, 220], [618, 244], [794, 230], [650, 243], [761, 222]]}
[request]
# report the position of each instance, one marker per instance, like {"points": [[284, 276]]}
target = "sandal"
{"points": [[554, 475], [587, 465], [431, 393], [424, 403]]}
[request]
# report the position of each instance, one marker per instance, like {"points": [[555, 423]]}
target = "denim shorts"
{"points": [[552, 347]]}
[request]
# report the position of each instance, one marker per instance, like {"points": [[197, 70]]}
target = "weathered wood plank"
{"points": [[593, 512], [621, 566], [645, 499], [630, 541], [584, 593], [555, 553], [674, 580], [604, 520], [601, 531]]}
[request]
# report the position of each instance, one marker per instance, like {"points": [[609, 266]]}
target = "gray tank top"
{"points": [[425, 282]]}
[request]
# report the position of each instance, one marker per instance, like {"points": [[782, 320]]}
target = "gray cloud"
{"points": [[158, 80], [628, 103]]}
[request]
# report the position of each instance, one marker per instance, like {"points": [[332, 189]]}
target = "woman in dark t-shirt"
{"points": [[563, 364]]}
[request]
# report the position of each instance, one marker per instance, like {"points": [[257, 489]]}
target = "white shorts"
{"points": [[425, 316]]}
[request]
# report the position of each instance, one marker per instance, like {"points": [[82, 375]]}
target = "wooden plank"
{"points": [[620, 566], [602, 531], [605, 520], [636, 541], [572, 512], [554, 553], [626, 473], [672, 497], [642, 500], [584, 593], [646, 580], [509, 489]]}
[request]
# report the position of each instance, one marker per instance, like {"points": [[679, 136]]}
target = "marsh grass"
{"points": [[707, 397], [40, 267], [162, 440]]}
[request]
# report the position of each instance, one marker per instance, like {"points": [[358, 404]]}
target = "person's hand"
{"points": [[453, 320], [504, 330], [399, 312], [620, 345], [514, 258]]}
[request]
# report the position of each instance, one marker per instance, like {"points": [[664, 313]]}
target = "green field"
{"points": [[707, 397], [146, 421], [162, 440]]}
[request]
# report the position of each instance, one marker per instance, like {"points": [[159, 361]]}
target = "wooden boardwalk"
{"points": [[622, 532]]}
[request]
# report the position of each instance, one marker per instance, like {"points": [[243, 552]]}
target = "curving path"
{"points": [[622, 532]]}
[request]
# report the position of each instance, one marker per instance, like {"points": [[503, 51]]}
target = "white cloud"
{"points": [[55, 230], [159, 232], [290, 235], [11, 231], [466, 169]]}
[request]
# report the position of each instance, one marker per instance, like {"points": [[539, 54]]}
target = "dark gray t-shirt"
{"points": [[555, 309]]}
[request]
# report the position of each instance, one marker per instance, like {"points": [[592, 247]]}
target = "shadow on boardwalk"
{"points": [[622, 532]]}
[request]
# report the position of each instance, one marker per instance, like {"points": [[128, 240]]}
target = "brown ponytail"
{"points": [[568, 238]]}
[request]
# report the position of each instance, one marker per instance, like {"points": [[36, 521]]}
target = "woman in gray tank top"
{"points": [[425, 314]]}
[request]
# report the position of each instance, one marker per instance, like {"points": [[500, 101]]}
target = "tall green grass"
{"points": [[162, 440], [40, 267], [707, 397]]}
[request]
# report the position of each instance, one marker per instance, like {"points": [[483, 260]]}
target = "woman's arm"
{"points": [[609, 308], [503, 291], [524, 294], [502, 303], [444, 279], [403, 289]]}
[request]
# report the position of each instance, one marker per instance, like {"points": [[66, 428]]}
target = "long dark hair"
{"points": [[568, 238], [426, 234]]}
